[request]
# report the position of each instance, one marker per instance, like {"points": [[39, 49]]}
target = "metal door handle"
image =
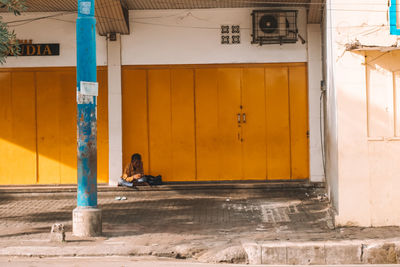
{"points": [[238, 117], [244, 117]]}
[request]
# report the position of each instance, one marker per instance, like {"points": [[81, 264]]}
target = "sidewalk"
{"points": [[243, 223]]}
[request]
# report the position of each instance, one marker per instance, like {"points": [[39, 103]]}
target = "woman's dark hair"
{"points": [[136, 156]]}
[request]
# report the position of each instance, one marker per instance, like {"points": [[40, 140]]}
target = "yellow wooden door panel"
{"points": [[48, 118], [299, 122], [182, 114], [254, 129], [134, 116], [18, 137], [102, 127], [56, 112], [229, 98], [278, 128], [162, 128], [159, 97], [43, 134], [23, 110], [66, 125], [207, 137], [6, 142]]}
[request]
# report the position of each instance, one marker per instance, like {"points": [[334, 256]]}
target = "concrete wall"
{"points": [[114, 110], [57, 29], [194, 37], [314, 52], [330, 110], [367, 178]]}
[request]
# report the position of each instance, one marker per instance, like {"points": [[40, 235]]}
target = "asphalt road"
{"points": [[125, 262]]}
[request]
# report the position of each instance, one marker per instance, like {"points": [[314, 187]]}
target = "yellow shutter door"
{"points": [[56, 127], [18, 128], [158, 121], [229, 101], [207, 137], [159, 96], [48, 122], [299, 122], [191, 117], [102, 127], [134, 116], [38, 122], [278, 126], [67, 127], [254, 129], [183, 162]]}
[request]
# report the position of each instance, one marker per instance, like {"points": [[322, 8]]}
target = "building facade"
{"points": [[362, 112], [197, 109], [198, 106]]}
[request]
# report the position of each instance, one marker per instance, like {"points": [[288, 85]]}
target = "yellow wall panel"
{"points": [[17, 122], [187, 121], [229, 98], [278, 127], [6, 144], [207, 137], [102, 127], [254, 129], [24, 134], [67, 126], [43, 133], [48, 121], [159, 97], [299, 122], [134, 116], [183, 126]]}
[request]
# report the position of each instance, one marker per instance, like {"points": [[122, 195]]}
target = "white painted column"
{"points": [[314, 59], [114, 110]]}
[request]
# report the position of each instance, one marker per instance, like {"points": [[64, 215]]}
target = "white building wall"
{"points": [[57, 29], [114, 110], [330, 109], [194, 37], [314, 52], [367, 147]]}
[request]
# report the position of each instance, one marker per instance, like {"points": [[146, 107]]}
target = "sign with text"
{"points": [[89, 88], [39, 50]]}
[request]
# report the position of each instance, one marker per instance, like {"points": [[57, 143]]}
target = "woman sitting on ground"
{"points": [[133, 171]]}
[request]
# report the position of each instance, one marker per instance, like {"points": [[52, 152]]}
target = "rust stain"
{"points": [[82, 118]]}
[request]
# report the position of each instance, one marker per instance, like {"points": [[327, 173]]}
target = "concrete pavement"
{"points": [[256, 225], [123, 262]]}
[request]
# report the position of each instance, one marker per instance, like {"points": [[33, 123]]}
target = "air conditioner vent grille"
{"points": [[274, 26]]}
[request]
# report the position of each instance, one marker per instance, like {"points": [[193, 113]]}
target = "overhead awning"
{"points": [[113, 16]]}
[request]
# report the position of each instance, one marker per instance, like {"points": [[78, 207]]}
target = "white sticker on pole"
{"points": [[85, 8], [89, 88]]}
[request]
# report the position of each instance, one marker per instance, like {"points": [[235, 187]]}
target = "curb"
{"points": [[324, 252], [165, 187], [271, 253]]}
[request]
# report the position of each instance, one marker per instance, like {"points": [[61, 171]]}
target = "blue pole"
{"points": [[87, 106], [393, 18]]}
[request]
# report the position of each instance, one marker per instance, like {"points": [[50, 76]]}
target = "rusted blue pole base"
{"points": [[87, 151], [86, 222]]}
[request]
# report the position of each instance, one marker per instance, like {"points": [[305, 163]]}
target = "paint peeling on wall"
{"points": [[84, 99]]}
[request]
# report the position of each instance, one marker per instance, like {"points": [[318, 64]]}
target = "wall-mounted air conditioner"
{"points": [[274, 26]]}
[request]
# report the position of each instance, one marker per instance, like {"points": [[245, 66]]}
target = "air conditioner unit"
{"points": [[274, 26]]}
